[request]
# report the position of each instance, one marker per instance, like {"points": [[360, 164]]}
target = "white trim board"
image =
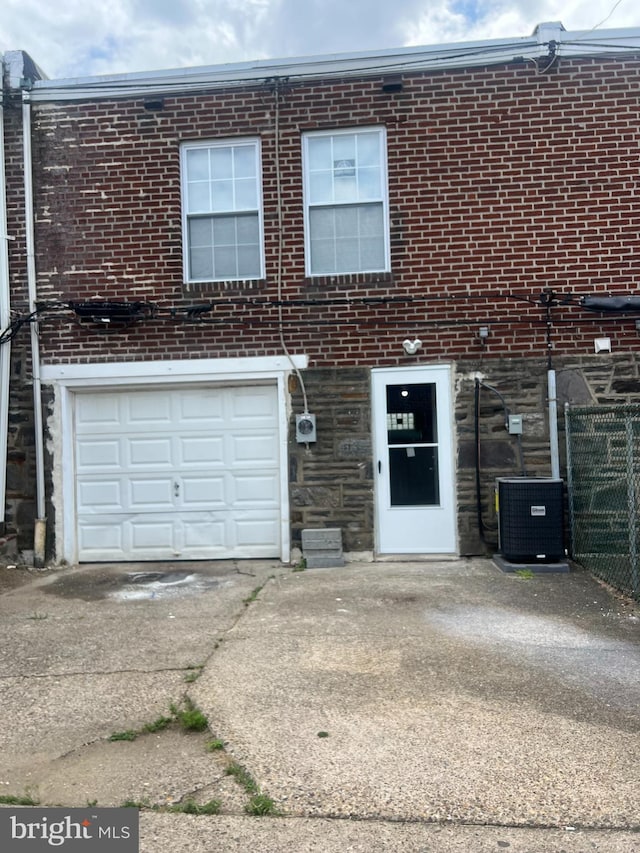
{"points": [[195, 370], [72, 379]]}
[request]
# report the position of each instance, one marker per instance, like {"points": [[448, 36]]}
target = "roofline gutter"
{"points": [[5, 311], [548, 39]]}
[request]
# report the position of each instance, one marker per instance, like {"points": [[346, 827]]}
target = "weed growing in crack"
{"points": [[193, 674], [191, 807], [260, 805], [11, 800], [189, 717], [129, 734], [157, 725], [214, 745], [256, 592], [252, 596], [242, 777], [135, 804], [527, 574]]}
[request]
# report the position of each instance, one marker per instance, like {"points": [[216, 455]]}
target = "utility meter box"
{"points": [[305, 428], [514, 425], [530, 519]]}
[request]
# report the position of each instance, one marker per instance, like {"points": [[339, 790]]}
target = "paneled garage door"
{"points": [[182, 474]]}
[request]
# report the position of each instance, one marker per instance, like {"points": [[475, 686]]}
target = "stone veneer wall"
{"points": [[332, 481], [20, 509]]}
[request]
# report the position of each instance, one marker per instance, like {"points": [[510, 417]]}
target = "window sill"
{"points": [[368, 278], [217, 288]]}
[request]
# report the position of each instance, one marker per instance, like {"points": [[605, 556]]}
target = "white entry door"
{"points": [[413, 457], [184, 473]]}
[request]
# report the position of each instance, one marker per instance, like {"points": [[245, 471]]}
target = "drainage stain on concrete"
{"points": [[145, 585], [114, 584]]}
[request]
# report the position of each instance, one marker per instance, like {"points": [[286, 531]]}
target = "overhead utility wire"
{"points": [[286, 73], [92, 312], [604, 20]]}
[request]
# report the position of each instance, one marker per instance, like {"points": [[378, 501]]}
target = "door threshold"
{"points": [[408, 558]]}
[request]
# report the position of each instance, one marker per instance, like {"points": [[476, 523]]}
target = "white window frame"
{"points": [[187, 215], [382, 200]]}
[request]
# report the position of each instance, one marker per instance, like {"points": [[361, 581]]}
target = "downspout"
{"points": [[5, 308], [41, 521], [553, 424], [547, 299]]}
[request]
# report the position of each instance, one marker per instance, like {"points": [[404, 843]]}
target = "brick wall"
{"points": [[502, 182]]}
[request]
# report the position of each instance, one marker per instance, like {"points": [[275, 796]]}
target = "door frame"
{"points": [[419, 373], [68, 380]]}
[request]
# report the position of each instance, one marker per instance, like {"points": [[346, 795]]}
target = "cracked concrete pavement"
{"points": [[427, 706]]}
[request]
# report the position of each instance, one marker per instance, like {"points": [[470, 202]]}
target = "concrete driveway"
{"points": [[432, 706]]}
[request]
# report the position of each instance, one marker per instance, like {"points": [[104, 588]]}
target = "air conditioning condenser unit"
{"points": [[530, 519]]}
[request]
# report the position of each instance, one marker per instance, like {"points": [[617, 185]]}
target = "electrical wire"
{"points": [[17, 323], [194, 315], [479, 385], [280, 226], [375, 65], [604, 20]]}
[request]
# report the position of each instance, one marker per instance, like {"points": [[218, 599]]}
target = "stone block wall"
{"points": [[20, 510], [331, 480]]}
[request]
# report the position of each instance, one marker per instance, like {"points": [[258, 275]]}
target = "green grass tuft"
{"points": [[127, 735], [191, 807], [261, 804], [190, 717], [157, 725], [527, 574], [11, 800], [242, 777]]}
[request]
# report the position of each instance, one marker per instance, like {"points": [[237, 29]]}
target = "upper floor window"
{"points": [[222, 210], [346, 218]]}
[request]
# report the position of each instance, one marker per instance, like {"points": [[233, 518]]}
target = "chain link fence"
{"points": [[603, 474]]}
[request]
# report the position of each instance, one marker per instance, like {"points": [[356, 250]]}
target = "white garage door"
{"points": [[182, 474]]}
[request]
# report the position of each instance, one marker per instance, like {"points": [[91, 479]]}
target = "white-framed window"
{"points": [[222, 210], [346, 203]]}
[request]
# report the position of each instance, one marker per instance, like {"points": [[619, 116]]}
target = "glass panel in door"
{"points": [[412, 438]]}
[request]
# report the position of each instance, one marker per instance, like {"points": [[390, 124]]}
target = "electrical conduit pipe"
{"points": [[5, 307], [41, 521]]}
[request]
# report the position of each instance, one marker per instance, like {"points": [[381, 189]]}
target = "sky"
{"points": [[81, 38]]}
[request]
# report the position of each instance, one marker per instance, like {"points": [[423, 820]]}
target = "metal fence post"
{"points": [[631, 502], [572, 526]]}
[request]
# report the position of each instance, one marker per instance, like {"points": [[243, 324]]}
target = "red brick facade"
{"points": [[502, 183]]}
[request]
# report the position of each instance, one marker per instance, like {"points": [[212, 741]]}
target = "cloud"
{"points": [[470, 20], [85, 37], [334, 26]]}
